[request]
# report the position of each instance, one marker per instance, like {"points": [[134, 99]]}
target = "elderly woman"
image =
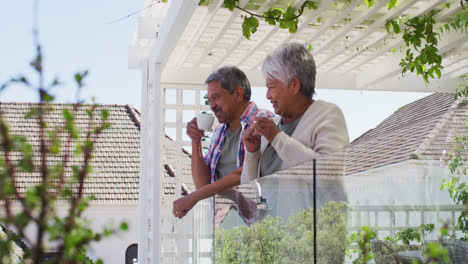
{"points": [[305, 129]]}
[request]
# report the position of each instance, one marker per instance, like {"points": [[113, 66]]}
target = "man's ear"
{"points": [[294, 85], [239, 92]]}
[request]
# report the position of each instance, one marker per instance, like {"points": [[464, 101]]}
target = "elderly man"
{"points": [[305, 129], [229, 96]]}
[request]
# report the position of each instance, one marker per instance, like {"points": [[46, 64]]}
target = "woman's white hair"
{"points": [[292, 60]]}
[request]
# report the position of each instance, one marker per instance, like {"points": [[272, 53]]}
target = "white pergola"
{"points": [[178, 44]]}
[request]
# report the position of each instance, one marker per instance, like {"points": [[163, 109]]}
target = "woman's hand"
{"points": [[251, 140], [265, 127], [183, 205]]}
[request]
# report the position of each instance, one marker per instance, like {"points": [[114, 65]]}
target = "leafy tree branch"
{"points": [[48, 161]]}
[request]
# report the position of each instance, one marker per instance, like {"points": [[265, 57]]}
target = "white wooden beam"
{"points": [[325, 80], [335, 81], [237, 43], [148, 27], [410, 83], [231, 19], [350, 25], [396, 70], [178, 16], [342, 13], [266, 37], [323, 5], [143, 179], [377, 25], [360, 52], [399, 42], [456, 69], [155, 149], [459, 72], [214, 7], [455, 56]]}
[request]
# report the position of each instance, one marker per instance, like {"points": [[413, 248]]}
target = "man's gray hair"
{"points": [[289, 60], [230, 78]]}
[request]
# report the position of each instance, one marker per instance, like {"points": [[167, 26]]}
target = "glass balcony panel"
{"points": [[394, 210]]}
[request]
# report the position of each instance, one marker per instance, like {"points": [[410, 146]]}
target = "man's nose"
{"points": [[268, 95]]}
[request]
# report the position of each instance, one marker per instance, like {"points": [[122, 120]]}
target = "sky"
{"points": [[83, 35]]}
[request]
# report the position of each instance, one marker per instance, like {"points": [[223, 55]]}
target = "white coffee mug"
{"points": [[205, 121]]}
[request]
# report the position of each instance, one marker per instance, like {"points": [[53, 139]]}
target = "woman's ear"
{"points": [[294, 85]]}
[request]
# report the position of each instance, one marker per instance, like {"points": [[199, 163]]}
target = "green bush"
{"points": [[273, 241]]}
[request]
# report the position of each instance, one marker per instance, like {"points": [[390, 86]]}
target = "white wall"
{"points": [[111, 249], [413, 182]]}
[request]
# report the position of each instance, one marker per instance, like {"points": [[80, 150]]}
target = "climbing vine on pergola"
{"points": [[420, 34]]}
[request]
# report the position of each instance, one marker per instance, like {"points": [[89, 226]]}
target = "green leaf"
{"points": [[396, 27], [21, 79], [37, 63], [106, 126], [204, 2], [391, 4], [289, 15], [55, 147], [124, 226], [369, 3], [437, 72], [311, 5], [107, 232], [55, 82], [79, 77], [310, 47], [67, 115], [293, 27], [83, 205], [272, 15], [283, 24], [32, 112], [387, 26], [230, 4], [319, 19], [249, 26], [105, 114], [67, 192], [419, 69], [45, 96], [270, 21]]}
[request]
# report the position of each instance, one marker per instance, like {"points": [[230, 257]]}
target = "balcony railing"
{"points": [[317, 207]]}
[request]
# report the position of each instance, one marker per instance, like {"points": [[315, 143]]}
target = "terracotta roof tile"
{"points": [[418, 130], [115, 176]]}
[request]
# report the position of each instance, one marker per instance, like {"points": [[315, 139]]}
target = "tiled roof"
{"points": [[417, 130], [116, 157]]}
